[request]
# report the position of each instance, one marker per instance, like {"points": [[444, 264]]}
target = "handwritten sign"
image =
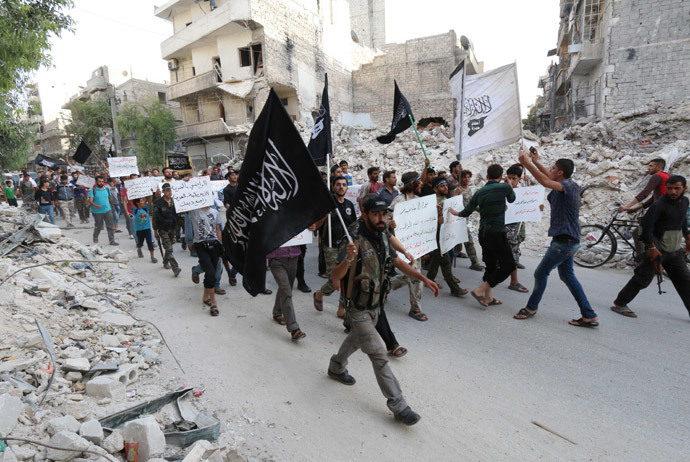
{"points": [[87, 181], [138, 188], [219, 185], [193, 194], [156, 182], [453, 229], [352, 194], [301, 239], [122, 166], [415, 225], [526, 205]]}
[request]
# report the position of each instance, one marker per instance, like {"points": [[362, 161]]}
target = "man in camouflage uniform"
{"points": [[165, 222], [363, 266]]}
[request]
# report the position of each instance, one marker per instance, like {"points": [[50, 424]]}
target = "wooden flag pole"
{"points": [[418, 137]]}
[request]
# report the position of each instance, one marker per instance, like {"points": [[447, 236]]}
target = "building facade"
{"points": [[615, 57], [223, 61]]}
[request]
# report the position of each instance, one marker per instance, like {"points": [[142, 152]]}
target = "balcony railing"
{"points": [[190, 86]]}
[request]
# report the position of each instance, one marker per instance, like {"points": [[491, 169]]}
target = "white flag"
{"points": [[490, 113]]}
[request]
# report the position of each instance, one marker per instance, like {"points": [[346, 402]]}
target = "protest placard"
{"points": [[352, 194], [305, 237], [193, 194], [219, 185], [453, 229], [138, 188], [526, 205], [86, 181], [122, 166], [156, 182], [415, 225]]}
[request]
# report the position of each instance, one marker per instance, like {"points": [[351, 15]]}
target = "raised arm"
{"points": [[539, 172]]}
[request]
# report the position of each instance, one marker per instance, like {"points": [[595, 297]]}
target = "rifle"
{"points": [[659, 273], [160, 247]]}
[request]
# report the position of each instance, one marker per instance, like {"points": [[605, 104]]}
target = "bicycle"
{"points": [[598, 243]]}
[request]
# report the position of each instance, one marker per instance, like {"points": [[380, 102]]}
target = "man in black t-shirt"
{"points": [[337, 234]]}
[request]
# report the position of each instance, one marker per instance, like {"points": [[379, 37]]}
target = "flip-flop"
{"points": [[214, 310], [525, 313], [582, 323], [297, 334], [318, 304], [519, 288], [398, 351], [207, 302], [419, 316], [624, 310], [494, 302], [481, 299]]}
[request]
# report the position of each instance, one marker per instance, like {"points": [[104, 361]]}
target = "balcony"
{"points": [[585, 56], [190, 86], [220, 21], [205, 129]]}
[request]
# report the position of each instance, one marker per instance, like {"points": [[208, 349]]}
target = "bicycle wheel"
{"points": [[597, 246]]}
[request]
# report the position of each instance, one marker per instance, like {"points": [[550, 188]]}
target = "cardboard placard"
{"points": [[453, 229], [415, 225], [138, 188], [86, 181], [122, 166], [526, 205], [305, 237], [352, 194], [194, 194]]}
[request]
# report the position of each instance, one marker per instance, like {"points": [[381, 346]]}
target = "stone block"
{"points": [[10, 408], [91, 430], [66, 439], [105, 386], [77, 364], [114, 442], [65, 423], [148, 434]]}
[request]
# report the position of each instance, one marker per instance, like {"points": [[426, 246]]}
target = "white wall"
{"points": [[228, 45], [202, 58]]}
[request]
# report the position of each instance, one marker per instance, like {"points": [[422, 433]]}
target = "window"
{"points": [[217, 67], [245, 57], [284, 101], [161, 97], [250, 112]]}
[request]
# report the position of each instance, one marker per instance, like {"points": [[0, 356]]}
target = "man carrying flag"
{"points": [[280, 193]]}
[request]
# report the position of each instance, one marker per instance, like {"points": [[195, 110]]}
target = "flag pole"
{"points": [[418, 138], [522, 135], [328, 185]]}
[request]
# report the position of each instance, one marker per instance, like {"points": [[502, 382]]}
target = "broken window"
{"points": [[217, 68], [245, 57], [161, 97], [284, 101]]}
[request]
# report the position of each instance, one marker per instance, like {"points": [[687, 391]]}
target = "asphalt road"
{"points": [[478, 377]]}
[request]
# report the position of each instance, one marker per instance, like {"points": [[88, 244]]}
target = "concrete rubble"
{"points": [[106, 360]]}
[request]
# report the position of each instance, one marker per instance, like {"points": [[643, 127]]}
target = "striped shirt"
{"points": [[491, 201]]}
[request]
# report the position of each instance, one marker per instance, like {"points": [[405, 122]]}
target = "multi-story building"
{"points": [[33, 118], [54, 143], [616, 56], [224, 60], [133, 90]]}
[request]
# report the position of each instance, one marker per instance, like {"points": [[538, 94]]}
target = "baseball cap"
{"points": [[165, 186], [374, 204]]}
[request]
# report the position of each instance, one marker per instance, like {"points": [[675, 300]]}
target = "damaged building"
{"points": [[615, 57], [225, 56]]}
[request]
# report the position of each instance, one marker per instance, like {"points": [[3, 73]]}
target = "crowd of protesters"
{"points": [[341, 242]]}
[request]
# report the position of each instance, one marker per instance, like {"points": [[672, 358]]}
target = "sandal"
{"points": [[582, 323], [280, 319], [519, 288], [494, 302], [398, 351], [524, 314], [419, 316], [462, 293], [214, 310], [207, 302], [267, 292], [624, 310], [457, 281], [318, 304], [297, 334], [480, 299]]}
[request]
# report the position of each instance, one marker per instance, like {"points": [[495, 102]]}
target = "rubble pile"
{"points": [[71, 353]]}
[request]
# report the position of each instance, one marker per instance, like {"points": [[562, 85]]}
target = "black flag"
{"points": [[279, 195], [110, 151], [48, 161], [180, 163], [401, 117], [320, 144], [82, 154]]}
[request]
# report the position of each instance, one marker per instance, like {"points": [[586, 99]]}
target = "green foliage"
{"points": [[530, 123], [15, 138], [26, 28], [154, 126], [86, 121]]}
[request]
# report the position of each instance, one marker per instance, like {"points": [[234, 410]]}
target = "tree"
{"points": [[85, 122], [530, 123], [26, 28], [16, 138], [154, 127]]}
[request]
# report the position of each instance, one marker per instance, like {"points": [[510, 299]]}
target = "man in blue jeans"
{"points": [[565, 231]]}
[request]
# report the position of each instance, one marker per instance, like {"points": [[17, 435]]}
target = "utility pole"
{"points": [[112, 99]]}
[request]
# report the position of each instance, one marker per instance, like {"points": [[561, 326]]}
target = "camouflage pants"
{"points": [[330, 255], [414, 284], [167, 240]]}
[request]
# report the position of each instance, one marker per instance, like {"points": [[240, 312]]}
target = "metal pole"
{"points": [[418, 138], [328, 184]]}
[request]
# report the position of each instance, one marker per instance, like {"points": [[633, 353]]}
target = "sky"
{"points": [[125, 35]]}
